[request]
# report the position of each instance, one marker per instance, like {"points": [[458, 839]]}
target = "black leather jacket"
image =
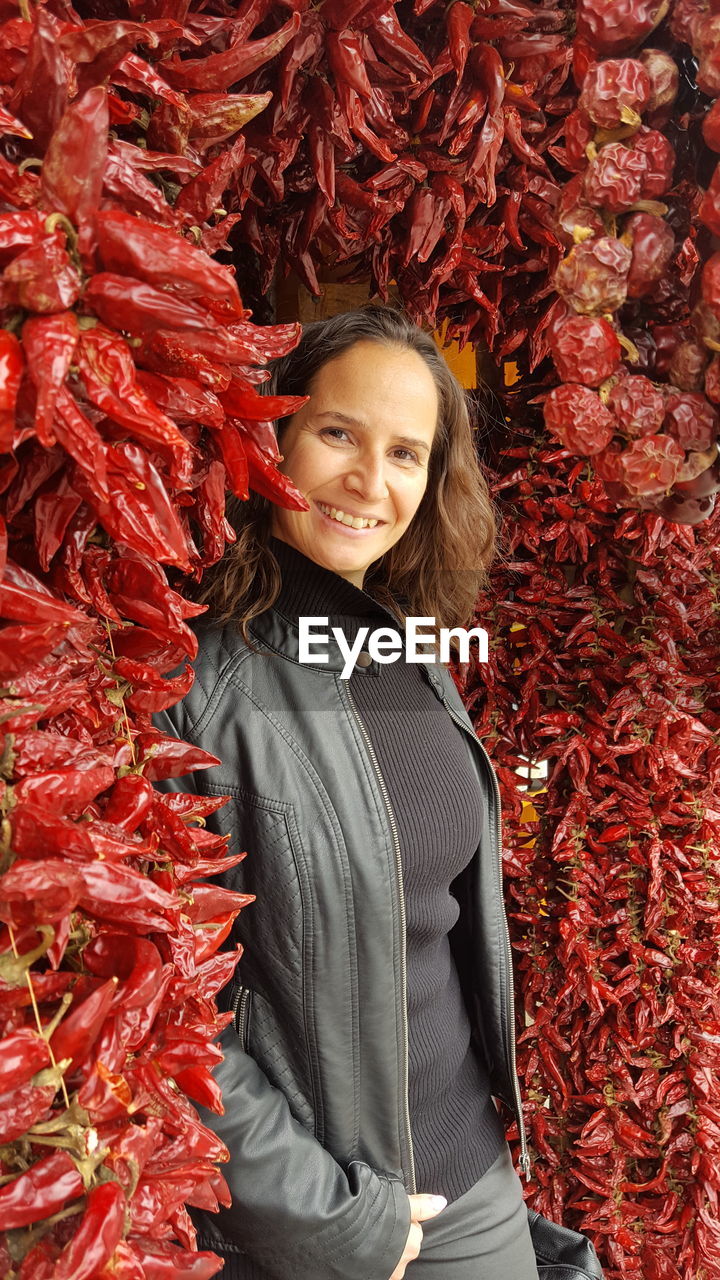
{"points": [[314, 1079]]}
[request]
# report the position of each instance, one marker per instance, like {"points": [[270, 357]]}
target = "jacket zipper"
{"points": [[240, 1009], [403, 924], [524, 1153]]}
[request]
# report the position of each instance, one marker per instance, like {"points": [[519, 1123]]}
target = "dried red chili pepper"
{"points": [[137, 307], [638, 405], [23, 1053], [615, 92], [82, 442], [49, 343], [108, 373], [218, 71], [203, 194], [615, 178], [42, 1190], [593, 277], [72, 172], [158, 256], [97, 1236], [653, 242], [585, 349], [11, 368], [43, 278], [578, 417], [79, 1029]]}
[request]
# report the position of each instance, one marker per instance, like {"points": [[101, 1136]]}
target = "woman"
{"points": [[373, 1020]]}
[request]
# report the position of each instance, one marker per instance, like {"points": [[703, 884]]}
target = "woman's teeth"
{"points": [[355, 522]]}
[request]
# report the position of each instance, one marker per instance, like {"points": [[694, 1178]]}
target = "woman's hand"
{"points": [[421, 1207]]}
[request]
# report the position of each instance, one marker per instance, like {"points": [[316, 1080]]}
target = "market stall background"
{"points": [[538, 183]]}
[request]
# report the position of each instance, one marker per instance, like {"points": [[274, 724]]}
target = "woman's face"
{"points": [[360, 445]]}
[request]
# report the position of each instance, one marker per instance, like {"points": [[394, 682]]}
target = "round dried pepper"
{"points": [[616, 26], [593, 277], [638, 405], [652, 241], [651, 464], [691, 420], [606, 463], [659, 156], [664, 77], [687, 367], [615, 178], [578, 417], [585, 349], [705, 38], [575, 218], [615, 92]]}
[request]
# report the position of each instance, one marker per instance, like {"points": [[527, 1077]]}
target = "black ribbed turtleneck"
{"points": [[423, 757]]}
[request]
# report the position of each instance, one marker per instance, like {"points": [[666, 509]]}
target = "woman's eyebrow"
{"points": [[357, 422]]}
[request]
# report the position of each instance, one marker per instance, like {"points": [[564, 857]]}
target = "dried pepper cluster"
{"points": [[129, 406], [635, 360], [604, 664], [405, 149], [397, 142]]}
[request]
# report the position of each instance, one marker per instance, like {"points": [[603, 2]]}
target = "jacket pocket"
{"points": [[242, 1009]]}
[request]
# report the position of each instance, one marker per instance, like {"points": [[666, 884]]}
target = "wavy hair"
{"points": [[440, 565]]}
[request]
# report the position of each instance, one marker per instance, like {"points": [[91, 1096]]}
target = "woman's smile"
{"points": [[331, 514]]}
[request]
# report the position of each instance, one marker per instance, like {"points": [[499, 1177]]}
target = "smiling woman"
{"points": [[372, 1011]]}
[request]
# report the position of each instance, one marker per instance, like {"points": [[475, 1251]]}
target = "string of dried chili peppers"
{"points": [[128, 374], [631, 339], [604, 666]]}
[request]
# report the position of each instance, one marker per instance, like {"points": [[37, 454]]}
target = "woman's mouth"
{"points": [[340, 521]]}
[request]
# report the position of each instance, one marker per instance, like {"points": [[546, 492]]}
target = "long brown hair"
{"points": [[440, 563]]}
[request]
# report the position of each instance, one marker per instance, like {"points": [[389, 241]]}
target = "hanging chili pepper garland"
{"points": [[640, 414], [604, 665], [129, 367]]}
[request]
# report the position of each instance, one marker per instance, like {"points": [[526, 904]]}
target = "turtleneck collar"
{"points": [[309, 589]]}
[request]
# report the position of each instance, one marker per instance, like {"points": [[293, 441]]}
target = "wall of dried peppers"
{"points": [[540, 180]]}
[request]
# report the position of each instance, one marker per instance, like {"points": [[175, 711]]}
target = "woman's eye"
{"points": [[336, 431]]}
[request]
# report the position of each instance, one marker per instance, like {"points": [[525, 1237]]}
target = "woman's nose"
{"points": [[368, 476]]}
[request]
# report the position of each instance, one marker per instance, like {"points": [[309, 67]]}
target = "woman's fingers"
{"points": [[425, 1206], [421, 1208]]}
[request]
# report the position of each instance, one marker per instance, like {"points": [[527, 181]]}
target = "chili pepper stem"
{"points": [[129, 740], [36, 1011], [60, 220]]}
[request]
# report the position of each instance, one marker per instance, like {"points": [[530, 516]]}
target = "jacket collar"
{"points": [[310, 590]]}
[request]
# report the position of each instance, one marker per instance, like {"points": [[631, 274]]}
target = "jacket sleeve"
{"points": [[295, 1210]]}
